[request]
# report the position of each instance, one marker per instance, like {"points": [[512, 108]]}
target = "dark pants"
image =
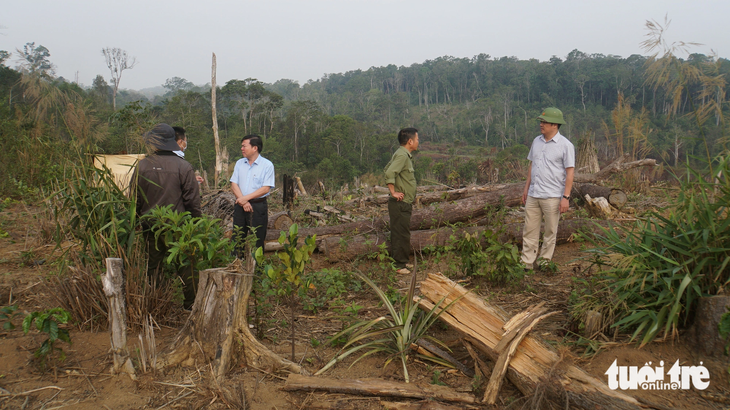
{"points": [[246, 223], [400, 231], [157, 252]]}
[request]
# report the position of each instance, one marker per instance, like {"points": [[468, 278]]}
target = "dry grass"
{"points": [[79, 290]]}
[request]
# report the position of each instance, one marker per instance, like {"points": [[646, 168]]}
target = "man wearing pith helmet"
{"points": [[547, 190]]}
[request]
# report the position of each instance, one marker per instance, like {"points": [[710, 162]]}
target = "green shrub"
{"points": [[659, 268], [326, 286], [48, 322], [486, 255], [198, 242]]}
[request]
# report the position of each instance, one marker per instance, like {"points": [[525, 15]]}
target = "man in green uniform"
{"points": [[402, 185]]}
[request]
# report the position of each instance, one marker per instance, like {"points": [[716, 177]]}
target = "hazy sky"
{"points": [[303, 40]]}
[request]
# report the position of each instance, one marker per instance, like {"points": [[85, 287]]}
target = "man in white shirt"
{"points": [[547, 189], [252, 180]]}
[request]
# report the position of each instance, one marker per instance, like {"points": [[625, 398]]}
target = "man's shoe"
{"points": [[403, 271], [409, 266]]}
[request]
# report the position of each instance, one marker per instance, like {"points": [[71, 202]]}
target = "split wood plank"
{"points": [[535, 363], [500, 368]]}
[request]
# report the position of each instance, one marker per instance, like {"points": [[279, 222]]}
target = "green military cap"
{"points": [[552, 115]]}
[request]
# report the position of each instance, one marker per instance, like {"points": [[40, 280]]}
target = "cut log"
{"points": [[217, 330], [113, 284], [616, 197], [375, 387], [534, 365], [281, 221], [599, 207], [337, 248]]}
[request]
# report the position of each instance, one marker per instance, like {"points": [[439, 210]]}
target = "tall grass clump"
{"points": [[653, 274], [93, 212]]}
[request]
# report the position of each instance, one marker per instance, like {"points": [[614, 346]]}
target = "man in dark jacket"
{"points": [[164, 179]]}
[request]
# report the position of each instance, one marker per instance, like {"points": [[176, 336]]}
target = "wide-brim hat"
{"points": [[552, 115], [162, 138]]}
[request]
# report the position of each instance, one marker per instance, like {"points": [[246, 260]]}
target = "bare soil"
{"points": [[83, 379]]}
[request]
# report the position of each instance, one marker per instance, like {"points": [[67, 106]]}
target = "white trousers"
{"points": [[535, 210]]}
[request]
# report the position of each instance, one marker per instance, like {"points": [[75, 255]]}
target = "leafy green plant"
{"points": [[285, 274], [485, 255], [6, 315], [393, 335], [436, 378], [48, 322], [198, 242], [326, 286]]}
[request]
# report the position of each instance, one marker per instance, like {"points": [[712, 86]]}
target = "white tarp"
{"points": [[122, 166]]}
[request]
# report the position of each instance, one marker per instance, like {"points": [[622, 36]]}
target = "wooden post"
{"points": [[300, 186], [288, 192], [113, 283]]}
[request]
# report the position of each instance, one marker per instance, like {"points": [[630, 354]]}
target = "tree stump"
{"points": [[217, 321], [704, 334]]}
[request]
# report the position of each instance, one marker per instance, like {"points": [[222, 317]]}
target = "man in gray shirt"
{"points": [[548, 186]]}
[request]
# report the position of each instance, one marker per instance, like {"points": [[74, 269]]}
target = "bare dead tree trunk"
{"points": [[220, 156]]}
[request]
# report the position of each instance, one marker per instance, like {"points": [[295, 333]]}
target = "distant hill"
{"points": [[151, 92]]}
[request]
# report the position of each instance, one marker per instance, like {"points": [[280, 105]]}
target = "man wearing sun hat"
{"points": [[547, 190], [162, 179]]}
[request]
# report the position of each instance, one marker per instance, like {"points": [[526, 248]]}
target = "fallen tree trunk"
{"points": [[217, 330], [337, 248], [617, 166], [375, 387], [535, 365], [426, 218], [427, 198]]}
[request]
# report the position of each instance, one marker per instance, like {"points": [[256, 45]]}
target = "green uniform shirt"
{"points": [[399, 172]]}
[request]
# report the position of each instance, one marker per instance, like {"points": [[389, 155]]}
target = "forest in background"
{"points": [[469, 111]]}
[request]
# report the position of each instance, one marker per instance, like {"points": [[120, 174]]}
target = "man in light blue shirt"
{"points": [[547, 190], [251, 182]]}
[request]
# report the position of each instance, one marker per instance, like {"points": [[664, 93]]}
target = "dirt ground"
{"points": [[83, 379]]}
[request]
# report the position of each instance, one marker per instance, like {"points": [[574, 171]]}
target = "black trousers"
{"points": [[246, 223], [400, 231], [157, 252]]}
